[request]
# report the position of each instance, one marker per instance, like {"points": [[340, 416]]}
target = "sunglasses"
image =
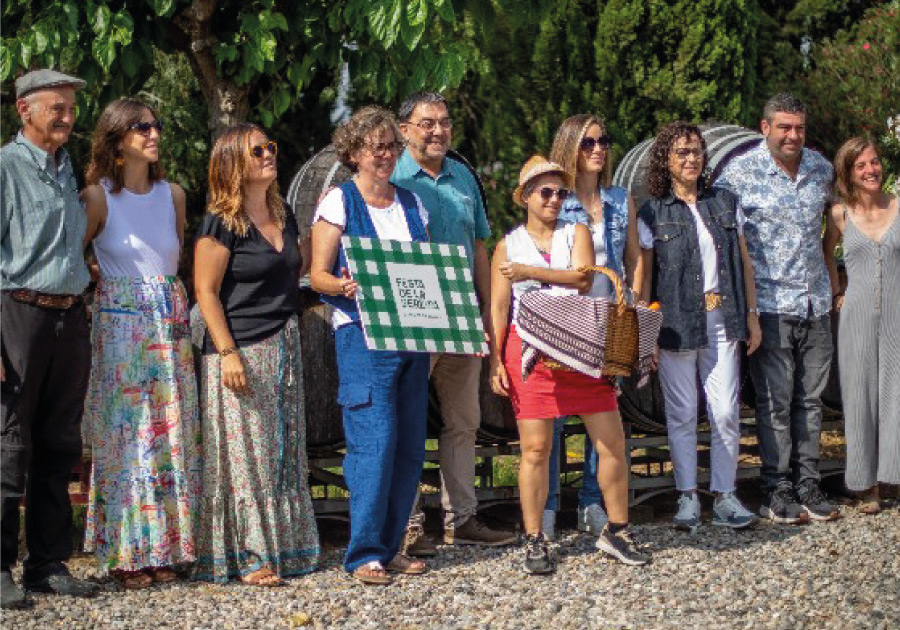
{"points": [[546, 193], [259, 150], [588, 144], [144, 128]]}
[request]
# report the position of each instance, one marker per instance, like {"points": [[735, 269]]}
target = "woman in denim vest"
{"points": [[384, 394], [692, 239], [581, 147]]}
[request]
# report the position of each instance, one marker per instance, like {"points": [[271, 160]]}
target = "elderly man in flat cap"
{"points": [[44, 340]]}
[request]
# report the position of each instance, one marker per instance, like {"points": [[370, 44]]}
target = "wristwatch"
{"points": [[754, 311]]}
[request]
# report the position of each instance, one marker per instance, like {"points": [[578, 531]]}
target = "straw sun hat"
{"points": [[536, 166]]}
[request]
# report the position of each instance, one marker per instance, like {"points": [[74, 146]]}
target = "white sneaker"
{"points": [[688, 516], [728, 511], [548, 525], [592, 519]]}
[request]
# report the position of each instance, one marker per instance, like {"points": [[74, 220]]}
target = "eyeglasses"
{"points": [[684, 154], [383, 148], [587, 143], [260, 149], [546, 193], [144, 128], [428, 124]]}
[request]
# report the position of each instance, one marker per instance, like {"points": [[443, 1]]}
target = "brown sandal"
{"points": [[162, 575], [262, 577], [869, 502], [372, 573], [406, 565], [133, 580]]}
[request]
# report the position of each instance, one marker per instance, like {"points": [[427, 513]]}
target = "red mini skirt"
{"points": [[553, 393]]}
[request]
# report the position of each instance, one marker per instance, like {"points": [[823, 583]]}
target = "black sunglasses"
{"points": [[259, 149], [547, 193], [588, 144], [144, 128]]}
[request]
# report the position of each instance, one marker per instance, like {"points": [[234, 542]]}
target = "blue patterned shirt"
{"points": [[43, 221], [784, 229]]}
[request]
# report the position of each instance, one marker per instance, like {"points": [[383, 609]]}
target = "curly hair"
{"points": [[111, 127], [843, 167], [228, 164], [659, 179], [567, 144], [351, 135]]}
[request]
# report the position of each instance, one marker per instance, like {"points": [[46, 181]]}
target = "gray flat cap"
{"points": [[41, 79]]}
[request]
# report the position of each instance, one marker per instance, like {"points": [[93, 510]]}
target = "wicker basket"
{"points": [[621, 356]]}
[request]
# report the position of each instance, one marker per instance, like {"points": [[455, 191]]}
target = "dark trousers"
{"points": [[47, 358], [790, 371]]}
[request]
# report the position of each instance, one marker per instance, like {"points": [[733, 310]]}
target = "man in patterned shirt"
{"points": [[45, 342], [783, 189]]}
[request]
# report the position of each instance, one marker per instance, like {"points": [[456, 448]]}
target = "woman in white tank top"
{"points": [[553, 250], [141, 409]]}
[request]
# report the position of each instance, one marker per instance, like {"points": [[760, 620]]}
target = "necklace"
{"points": [[537, 242]]}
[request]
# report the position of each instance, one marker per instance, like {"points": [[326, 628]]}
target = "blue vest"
{"points": [[678, 270], [359, 223]]}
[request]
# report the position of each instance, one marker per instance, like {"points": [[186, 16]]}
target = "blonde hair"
{"points": [[843, 167], [567, 144], [227, 165]]}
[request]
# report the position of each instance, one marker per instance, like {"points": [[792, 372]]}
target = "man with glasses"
{"points": [[456, 216], [45, 341], [783, 189]]}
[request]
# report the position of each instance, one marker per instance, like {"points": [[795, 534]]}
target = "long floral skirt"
{"points": [[256, 509], [142, 419]]}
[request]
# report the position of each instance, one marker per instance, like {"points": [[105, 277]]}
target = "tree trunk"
{"points": [[226, 102]]}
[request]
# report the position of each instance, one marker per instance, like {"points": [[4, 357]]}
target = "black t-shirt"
{"points": [[259, 289]]}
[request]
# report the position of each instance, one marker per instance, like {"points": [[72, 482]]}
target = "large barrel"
{"points": [[644, 407]]}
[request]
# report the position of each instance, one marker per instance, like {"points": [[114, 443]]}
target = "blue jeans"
{"points": [[590, 489], [385, 401]]}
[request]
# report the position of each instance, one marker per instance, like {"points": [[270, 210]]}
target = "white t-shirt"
{"points": [[390, 224], [709, 260]]}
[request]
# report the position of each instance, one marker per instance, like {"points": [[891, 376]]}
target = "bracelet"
{"points": [[224, 353], [753, 311]]}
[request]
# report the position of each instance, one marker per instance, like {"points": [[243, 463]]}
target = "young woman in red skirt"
{"points": [[544, 253]]}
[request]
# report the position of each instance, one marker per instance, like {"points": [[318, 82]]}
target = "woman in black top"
{"points": [[256, 518]]}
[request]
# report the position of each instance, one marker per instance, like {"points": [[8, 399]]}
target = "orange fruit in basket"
{"points": [[654, 306]]}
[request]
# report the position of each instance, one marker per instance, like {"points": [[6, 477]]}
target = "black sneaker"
{"points": [[782, 506], [60, 582], [537, 555], [815, 503], [11, 594], [621, 546]]}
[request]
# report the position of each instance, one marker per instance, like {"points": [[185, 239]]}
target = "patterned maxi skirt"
{"points": [[256, 509], [141, 416]]}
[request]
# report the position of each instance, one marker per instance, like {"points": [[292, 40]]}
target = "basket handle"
{"points": [[616, 282]]}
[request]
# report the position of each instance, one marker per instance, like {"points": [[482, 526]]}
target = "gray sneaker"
{"points": [[728, 511], [538, 559], [592, 519], [12, 595], [621, 546], [687, 519], [548, 525], [416, 543], [474, 532]]}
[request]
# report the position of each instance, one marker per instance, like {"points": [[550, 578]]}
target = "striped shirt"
{"points": [[43, 222]]}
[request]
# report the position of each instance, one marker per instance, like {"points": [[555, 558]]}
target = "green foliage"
{"points": [[854, 86]]}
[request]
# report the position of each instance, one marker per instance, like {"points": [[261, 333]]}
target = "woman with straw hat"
{"points": [[555, 249]]}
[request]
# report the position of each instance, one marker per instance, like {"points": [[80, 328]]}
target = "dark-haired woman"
{"points": [[141, 408], [256, 520], [868, 220], [384, 394], [692, 239]]}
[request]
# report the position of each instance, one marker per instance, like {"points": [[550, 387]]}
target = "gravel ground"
{"points": [[843, 575]]}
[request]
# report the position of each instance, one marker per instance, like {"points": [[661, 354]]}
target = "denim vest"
{"points": [[615, 219], [678, 272], [359, 223]]}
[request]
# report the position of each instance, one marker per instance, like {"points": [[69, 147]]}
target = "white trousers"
{"points": [[718, 367]]}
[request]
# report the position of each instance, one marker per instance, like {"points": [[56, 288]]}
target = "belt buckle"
{"points": [[712, 301]]}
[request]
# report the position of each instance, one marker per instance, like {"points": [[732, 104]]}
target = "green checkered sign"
{"points": [[414, 296]]}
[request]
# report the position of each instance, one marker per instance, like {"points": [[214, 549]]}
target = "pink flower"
{"points": [[866, 46]]}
